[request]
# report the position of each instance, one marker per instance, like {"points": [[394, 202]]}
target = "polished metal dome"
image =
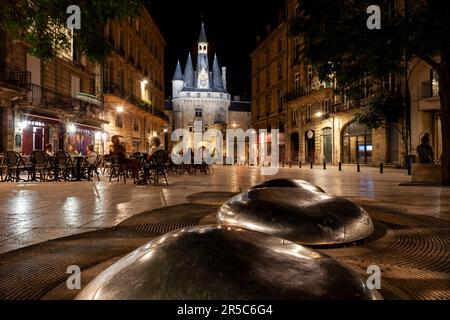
{"points": [[214, 262], [303, 213]]}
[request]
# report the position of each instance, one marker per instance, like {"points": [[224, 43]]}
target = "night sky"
{"points": [[231, 28]]}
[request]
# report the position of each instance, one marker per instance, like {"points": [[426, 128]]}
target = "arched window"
{"points": [[356, 144]]}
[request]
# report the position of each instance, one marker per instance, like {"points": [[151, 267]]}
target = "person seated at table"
{"points": [[117, 150], [72, 151], [91, 155], [48, 149], [156, 146]]}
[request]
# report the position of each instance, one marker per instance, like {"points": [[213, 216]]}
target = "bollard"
{"points": [[358, 167], [312, 165], [381, 168], [299, 164], [290, 164], [324, 165], [340, 166], [283, 164]]}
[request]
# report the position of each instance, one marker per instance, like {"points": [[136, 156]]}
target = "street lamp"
{"points": [[71, 128], [23, 125]]}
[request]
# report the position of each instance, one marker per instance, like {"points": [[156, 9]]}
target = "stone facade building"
{"points": [[316, 125], [200, 93], [133, 79], [56, 102], [269, 82], [425, 106], [70, 100]]}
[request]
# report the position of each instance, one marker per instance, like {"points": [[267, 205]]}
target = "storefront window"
{"points": [[356, 144]]}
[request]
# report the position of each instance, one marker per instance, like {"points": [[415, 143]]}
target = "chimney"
{"points": [[224, 77]]}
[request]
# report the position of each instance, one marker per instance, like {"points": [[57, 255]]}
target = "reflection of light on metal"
{"points": [[207, 263], [298, 211]]}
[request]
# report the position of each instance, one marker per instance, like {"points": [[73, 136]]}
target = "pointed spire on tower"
{"points": [[178, 74], [189, 73], [217, 75], [202, 38]]}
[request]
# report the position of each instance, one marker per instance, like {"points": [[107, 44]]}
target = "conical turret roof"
{"points": [[189, 73], [178, 74]]}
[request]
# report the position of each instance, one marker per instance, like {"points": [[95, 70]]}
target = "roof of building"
{"points": [[217, 79], [178, 74], [189, 73], [202, 37]]}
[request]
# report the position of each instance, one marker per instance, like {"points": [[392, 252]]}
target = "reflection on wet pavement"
{"points": [[36, 212]]}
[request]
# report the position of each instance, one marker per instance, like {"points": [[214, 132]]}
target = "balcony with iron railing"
{"points": [[143, 105], [307, 89], [15, 76], [85, 104]]}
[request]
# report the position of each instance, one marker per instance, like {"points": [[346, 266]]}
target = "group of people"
{"points": [[91, 154], [118, 150]]}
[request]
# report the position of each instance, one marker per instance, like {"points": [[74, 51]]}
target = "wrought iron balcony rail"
{"points": [[143, 105], [303, 91], [15, 76], [49, 98]]}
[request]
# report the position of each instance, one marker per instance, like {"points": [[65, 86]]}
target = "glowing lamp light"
{"points": [[145, 82], [319, 114], [23, 125], [166, 130], [98, 135], [71, 128], [105, 137], [120, 109]]}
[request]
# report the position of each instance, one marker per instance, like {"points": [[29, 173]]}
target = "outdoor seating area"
{"points": [[62, 166]]}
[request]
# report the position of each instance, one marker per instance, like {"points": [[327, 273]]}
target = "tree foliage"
{"points": [[336, 39], [381, 112], [43, 24]]}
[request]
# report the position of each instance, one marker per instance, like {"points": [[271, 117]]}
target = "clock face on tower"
{"points": [[203, 79]]}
